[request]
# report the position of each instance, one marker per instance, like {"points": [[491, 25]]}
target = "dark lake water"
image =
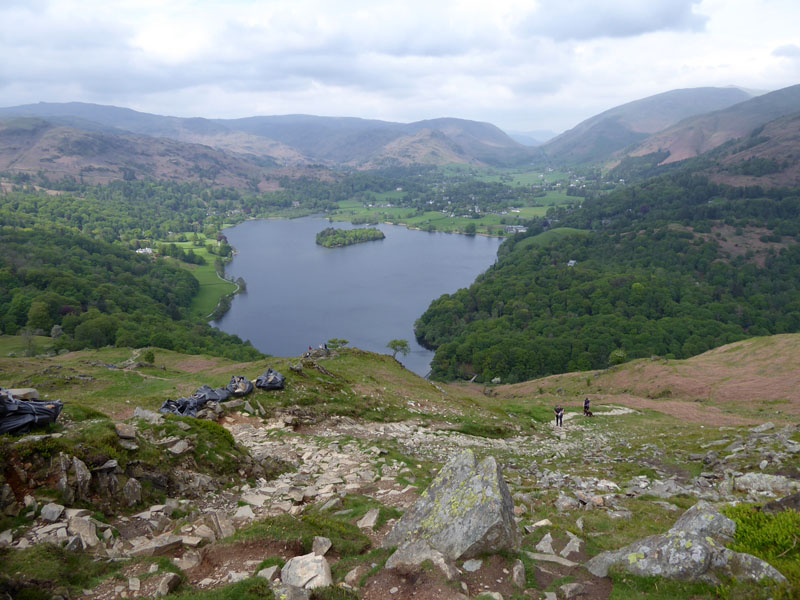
{"points": [[300, 294]]}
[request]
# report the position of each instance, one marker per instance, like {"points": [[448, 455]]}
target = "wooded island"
{"points": [[333, 238]]}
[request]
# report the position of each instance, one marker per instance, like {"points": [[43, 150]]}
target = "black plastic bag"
{"points": [[270, 380], [188, 407], [19, 416], [239, 386]]}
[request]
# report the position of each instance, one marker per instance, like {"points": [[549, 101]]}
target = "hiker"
{"points": [[559, 415], [586, 411]]}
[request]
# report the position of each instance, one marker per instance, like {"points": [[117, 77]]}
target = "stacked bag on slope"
{"points": [[18, 416], [271, 380], [189, 407]]}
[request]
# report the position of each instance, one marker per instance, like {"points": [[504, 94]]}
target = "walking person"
{"points": [[586, 411], [559, 410]]}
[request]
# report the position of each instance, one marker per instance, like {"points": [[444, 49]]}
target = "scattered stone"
{"points": [[190, 560], [354, 575], [369, 520], [270, 573], [308, 571], [153, 418], [244, 513], [125, 431], [472, 565], [763, 483], [518, 574], [6, 538], [466, 511], [763, 428], [288, 592], [132, 492], [787, 503], [156, 546], [134, 584], [566, 503], [51, 512], [545, 545], [83, 477], [167, 584], [179, 448], [573, 546], [24, 393], [572, 590], [552, 558], [236, 576], [84, 529], [321, 545]]}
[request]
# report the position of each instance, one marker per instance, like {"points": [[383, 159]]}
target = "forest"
{"points": [[86, 293], [670, 268]]}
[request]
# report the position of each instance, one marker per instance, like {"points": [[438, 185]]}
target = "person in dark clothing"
{"points": [[559, 410], [586, 411]]}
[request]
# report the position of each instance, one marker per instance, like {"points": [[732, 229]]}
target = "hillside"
{"points": [[350, 444], [598, 138], [31, 146], [292, 140], [697, 135]]}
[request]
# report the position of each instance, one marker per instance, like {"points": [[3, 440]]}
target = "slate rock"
{"points": [[84, 529], [308, 571], [167, 584], [51, 512], [786, 503], [270, 573], [466, 511], [284, 591], [148, 416], [704, 520], [125, 431], [321, 545], [132, 492], [369, 520], [763, 483], [566, 503], [412, 554]]}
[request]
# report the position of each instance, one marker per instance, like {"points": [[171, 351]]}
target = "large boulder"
{"points": [[693, 550], [465, 512], [308, 572]]}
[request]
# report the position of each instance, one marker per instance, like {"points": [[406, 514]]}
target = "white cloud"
{"points": [[511, 62]]}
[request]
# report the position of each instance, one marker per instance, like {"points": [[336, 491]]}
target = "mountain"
{"points": [[699, 134], [32, 145], [598, 138], [532, 138], [300, 139]]}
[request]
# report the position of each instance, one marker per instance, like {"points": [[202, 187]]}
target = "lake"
{"points": [[300, 294]]}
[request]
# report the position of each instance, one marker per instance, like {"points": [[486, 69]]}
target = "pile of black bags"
{"points": [[19, 416]]}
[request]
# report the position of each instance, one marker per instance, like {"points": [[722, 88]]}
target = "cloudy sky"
{"points": [[520, 64]]}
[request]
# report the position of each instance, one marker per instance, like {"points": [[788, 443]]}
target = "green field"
{"points": [[16, 345], [212, 287], [548, 236]]}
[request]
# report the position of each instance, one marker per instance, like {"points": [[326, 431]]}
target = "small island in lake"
{"points": [[334, 238]]}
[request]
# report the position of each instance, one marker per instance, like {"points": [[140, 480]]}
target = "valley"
{"points": [[646, 261]]}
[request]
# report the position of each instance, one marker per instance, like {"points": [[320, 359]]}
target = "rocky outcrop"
{"points": [[693, 550], [466, 511]]}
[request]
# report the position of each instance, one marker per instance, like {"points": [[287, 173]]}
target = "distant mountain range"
{"points": [[97, 143], [253, 142]]}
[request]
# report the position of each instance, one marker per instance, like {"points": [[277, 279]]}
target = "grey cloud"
{"points": [[586, 19], [787, 51]]}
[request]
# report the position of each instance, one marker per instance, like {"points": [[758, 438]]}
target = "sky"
{"points": [[522, 65]]}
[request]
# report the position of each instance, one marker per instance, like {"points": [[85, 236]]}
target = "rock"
{"points": [[205, 532], [270, 573], [552, 558], [134, 584], [763, 428], [83, 478], [573, 545], [128, 445], [51, 512], [132, 492], [763, 483], [413, 553], [179, 448], [545, 545], [148, 416], [167, 584], [288, 592], [332, 504], [236, 576], [6, 538], [308, 572], [369, 519], [321, 545], [693, 550], [84, 529], [466, 511], [354, 575], [518, 574], [254, 498], [244, 513], [190, 560], [24, 393], [162, 544], [472, 565], [704, 520], [566, 503], [572, 590], [787, 503], [221, 525], [125, 431]]}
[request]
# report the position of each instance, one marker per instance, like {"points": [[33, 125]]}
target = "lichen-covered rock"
{"points": [[693, 550], [132, 492], [764, 483], [83, 477], [704, 520], [466, 511], [412, 554]]}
